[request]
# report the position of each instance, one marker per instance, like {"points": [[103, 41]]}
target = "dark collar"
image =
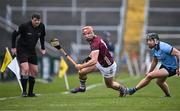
{"points": [[157, 47]]}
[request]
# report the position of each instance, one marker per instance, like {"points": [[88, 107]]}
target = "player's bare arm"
{"points": [[94, 57], [176, 53], [153, 64]]}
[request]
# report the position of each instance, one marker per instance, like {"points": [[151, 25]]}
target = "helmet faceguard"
{"points": [[152, 36]]}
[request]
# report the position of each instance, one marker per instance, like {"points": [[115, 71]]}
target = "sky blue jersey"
{"points": [[163, 54]]}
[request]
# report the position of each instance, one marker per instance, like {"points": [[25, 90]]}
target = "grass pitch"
{"points": [[98, 98]]}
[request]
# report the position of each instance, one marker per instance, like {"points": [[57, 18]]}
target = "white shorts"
{"points": [[107, 72]]}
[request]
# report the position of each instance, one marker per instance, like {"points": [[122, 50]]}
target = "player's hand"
{"points": [[146, 74], [79, 66], [13, 50], [43, 51]]}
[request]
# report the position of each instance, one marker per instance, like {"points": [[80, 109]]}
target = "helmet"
{"points": [[55, 43], [106, 34], [87, 30], [153, 36]]}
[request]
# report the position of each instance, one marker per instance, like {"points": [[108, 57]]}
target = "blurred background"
{"points": [[121, 23]]}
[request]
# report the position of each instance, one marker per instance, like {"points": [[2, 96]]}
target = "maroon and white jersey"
{"points": [[104, 58]]}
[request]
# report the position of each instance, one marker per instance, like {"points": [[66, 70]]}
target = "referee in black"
{"points": [[30, 32]]}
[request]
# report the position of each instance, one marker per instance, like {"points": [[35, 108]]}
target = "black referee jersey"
{"points": [[29, 36]]}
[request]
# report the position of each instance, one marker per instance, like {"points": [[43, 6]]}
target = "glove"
{"points": [[86, 59]]}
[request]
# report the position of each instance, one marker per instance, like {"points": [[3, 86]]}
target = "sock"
{"points": [[31, 84], [24, 79], [82, 84], [135, 89], [121, 88]]}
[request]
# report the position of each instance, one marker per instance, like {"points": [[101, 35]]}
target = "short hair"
{"points": [[87, 29], [36, 15]]}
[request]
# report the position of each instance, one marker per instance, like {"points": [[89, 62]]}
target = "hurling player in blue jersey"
{"points": [[168, 56]]}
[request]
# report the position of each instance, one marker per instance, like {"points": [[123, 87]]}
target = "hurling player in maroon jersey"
{"points": [[101, 60]]}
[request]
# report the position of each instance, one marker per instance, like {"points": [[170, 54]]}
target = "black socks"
{"points": [[24, 82], [31, 85]]}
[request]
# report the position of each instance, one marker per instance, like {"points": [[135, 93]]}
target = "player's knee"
{"points": [[25, 71], [33, 73], [149, 76], [82, 72]]}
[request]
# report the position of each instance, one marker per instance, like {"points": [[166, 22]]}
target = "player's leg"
{"points": [[33, 71], [145, 81], [155, 74], [24, 68], [24, 77], [110, 83], [109, 74], [161, 82], [82, 78]]}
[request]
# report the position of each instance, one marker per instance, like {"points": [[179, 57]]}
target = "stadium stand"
{"points": [[162, 17], [64, 19]]}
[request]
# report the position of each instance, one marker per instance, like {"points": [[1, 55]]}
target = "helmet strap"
{"points": [[156, 41]]}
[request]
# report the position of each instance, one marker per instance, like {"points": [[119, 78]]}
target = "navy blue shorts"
{"points": [[170, 70]]}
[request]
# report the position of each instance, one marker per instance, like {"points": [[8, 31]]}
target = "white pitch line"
{"points": [[4, 98], [88, 87], [100, 84], [15, 97]]}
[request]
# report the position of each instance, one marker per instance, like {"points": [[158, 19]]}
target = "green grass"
{"points": [[99, 98]]}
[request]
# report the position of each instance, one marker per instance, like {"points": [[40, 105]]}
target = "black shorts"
{"points": [[170, 70], [27, 56]]}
